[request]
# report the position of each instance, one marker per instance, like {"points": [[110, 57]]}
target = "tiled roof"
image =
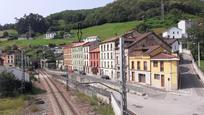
{"points": [[144, 50], [170, 41], [89, 43], [164, 56], [129, 36], [95, 50]]}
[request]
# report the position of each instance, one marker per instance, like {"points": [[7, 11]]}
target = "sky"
{"points": [[10, 9]]}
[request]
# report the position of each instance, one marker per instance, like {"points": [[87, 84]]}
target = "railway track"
{"points": [[64, 106]]}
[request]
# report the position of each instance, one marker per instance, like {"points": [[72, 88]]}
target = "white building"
{"points": [[107, 58], [173, 32], [50, 35], [184, 25], [91, 39], [175, 44]]}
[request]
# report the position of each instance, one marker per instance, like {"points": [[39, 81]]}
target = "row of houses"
{"points": [[12, 58], [149, 59]]}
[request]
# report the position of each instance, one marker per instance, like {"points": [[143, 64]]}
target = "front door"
{"points": [[162, 80], [142, 78]]}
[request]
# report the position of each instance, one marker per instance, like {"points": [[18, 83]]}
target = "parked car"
{"points": [[82, 73], [105, 77]]}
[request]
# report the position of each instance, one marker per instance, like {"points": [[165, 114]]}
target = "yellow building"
{"points": [[150, 66], [165, 71]]}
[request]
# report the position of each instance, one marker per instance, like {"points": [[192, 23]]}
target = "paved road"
{"points": [[190, 82]]}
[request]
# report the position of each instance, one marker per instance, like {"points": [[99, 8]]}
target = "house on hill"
{"points": [[50, 35], [184, 25], [175, 44], [173, 32], [91, 39]]}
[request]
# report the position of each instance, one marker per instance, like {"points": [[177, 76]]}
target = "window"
{"points": [[138, 65], [155, 63], [133, 65], [173, 32], [104, 55], [101, 55], [111, 54], [107, 47], [111, 64], [111, 47], [108, 64], [107, 55], [104, 48], [157, 76], [145, 65], [178, 32], [161, 66], [117, 60]]}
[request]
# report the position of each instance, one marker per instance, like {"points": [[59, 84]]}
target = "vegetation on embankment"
{"points": [[202, 65], [100, 107], [12, 106]]}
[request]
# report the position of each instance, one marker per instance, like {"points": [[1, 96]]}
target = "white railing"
{"points": [[115, 105]]}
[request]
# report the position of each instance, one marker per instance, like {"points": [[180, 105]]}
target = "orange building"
{"points": [[68, 56]]}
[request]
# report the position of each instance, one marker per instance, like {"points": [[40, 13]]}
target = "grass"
{"points": [[108, 30], [100, 108], [12, 106], [202, 65], [104, 31], [34, 42]]}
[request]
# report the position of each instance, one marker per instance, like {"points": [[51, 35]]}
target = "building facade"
{"points": [[107, 58], [78, 56], [9, 59], [151, 66], [67, 54], [173, 32], [95, 61], [87, 47], [184, 25], [165, 71]]}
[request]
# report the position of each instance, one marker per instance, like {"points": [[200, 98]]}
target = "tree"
{"points": [[142, 28], [196, 34], [34, 21], [5, 34], [6, 89]]}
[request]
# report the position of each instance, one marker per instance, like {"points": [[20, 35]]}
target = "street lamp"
{"points": [[198, 53]]}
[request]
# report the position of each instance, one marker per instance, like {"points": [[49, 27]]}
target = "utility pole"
{"points": [[23, 70], [162, 10], [199, 54], [123, 78], [30, 31], [67, 76]]}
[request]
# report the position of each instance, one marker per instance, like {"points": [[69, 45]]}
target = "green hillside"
{"points": [[109, 30], [103, 31]]}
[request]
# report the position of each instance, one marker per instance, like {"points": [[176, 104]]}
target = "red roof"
{"points": [[95, 50], [164, 56]]}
